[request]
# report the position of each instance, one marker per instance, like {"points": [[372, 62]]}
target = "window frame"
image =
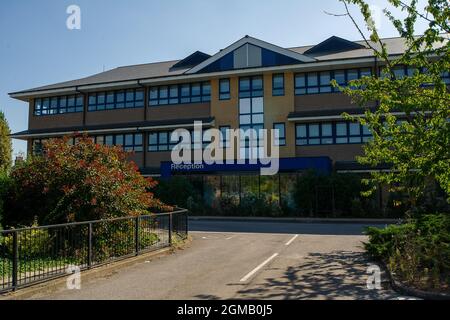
{"points": [[225, 138], [278, 91], [182, 97], [58, 108], [133, 147], [306, 89], [281, 142], [224, 95], [251, 92], [346, 137], [116, 103]]}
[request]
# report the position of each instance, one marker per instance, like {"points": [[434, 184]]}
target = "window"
{"points": [[196, 92], [325, 82], [355, 132], [224, 89], [110, 99], [340, 77], [367, 135], [300, 84], [313, 82], [38, 146], [225, 136], [109, 140], [129, 141], [185, 93], [320, 82], [58, 105], [173, 93], [341, 133], [278, 84], [446, 77], [250, 87], [300, 134], [352, 75], [331, 133], [251, 115], [206, 92], [180, 94], [120, 100], [400, 72], [280, 134], [314, 134], [132, 98], [326, 133], [160, 141], [163, 141], [163, 95], [251, 111]]}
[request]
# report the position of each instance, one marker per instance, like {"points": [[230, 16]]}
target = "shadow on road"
{"points": [[336, 275]]}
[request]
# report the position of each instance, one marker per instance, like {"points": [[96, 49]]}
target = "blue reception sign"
{"points": [[321, 164]]}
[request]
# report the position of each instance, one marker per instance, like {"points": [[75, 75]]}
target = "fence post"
{"points": [[90, 246], [136, 235], [15, 266], [170, 228], [187, 222], [333, 201]]}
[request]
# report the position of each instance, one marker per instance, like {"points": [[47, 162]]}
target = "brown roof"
{"points": [[163, 69], [134, 72]]}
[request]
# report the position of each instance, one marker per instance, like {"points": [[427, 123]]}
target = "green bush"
{"points": [[177, 190], [32, 244], [382, 242], [80, 182], [417, 251], [5, 183]]}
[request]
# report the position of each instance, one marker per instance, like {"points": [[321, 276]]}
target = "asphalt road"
{"points": [[246, 260]]}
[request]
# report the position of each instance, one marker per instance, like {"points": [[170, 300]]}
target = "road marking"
{"points": [[292, 240], [229, 238], [238, 233], [251, 273]]}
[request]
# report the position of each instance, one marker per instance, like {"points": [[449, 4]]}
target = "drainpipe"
{"points": [[85, 104], [144, 135]]}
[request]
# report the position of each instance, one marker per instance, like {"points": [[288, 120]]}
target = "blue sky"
{"points": [[37, 49]]}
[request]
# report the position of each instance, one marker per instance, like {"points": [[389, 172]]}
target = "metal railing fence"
{"points": [[37, 254]]}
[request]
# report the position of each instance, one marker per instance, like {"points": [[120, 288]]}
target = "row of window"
{"points": [[129, 141], [320, 82], [249, 87], [133, 98], [306, 134], [401, 72], [164, 141], [331, 133], [180, 94], [58, 105]]}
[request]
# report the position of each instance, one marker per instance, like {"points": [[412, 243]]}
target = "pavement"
{"points": [[246, 260]]}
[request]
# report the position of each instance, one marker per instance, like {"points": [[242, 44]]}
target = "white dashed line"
{"points": [[292, 240], [251, 273]]}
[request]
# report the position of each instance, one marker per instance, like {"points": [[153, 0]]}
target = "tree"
{"points": [[5, 144], [416, 143], [78, 182]]}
